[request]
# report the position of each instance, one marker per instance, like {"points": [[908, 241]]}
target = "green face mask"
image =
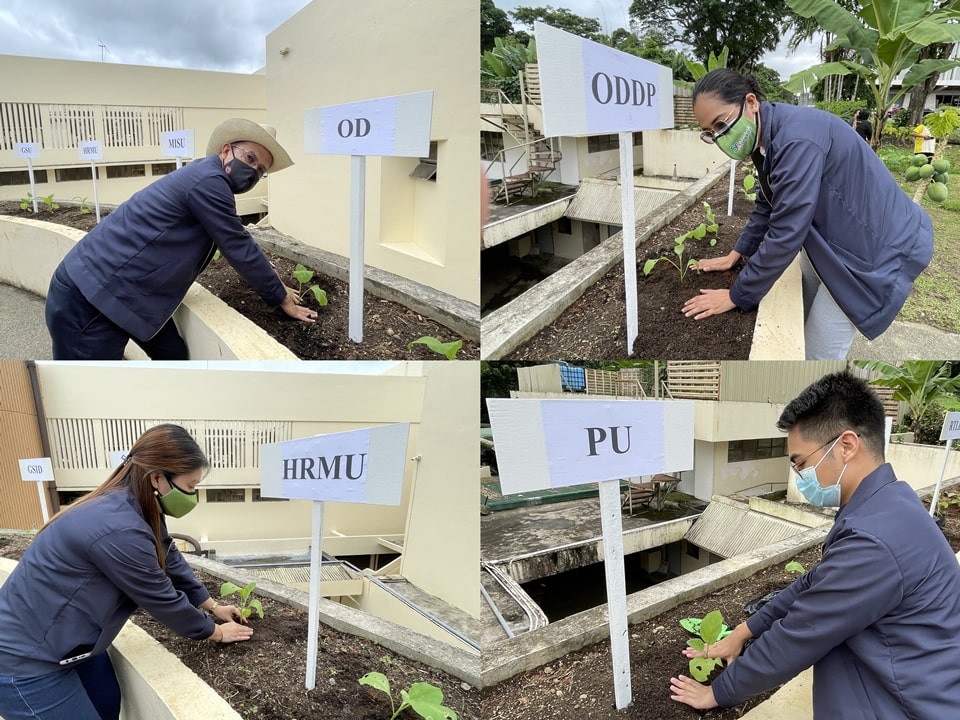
{"points": [[177, 503], [740, 139]]}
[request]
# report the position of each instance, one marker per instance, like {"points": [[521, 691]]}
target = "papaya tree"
{"points": [[885, 40], [941, 125]]}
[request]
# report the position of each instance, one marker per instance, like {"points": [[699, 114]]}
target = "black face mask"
{"points": [[241, 176]]}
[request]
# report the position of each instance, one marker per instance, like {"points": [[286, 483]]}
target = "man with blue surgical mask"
{"points": [[879, 616]]}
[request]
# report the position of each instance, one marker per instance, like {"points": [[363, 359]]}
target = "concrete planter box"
{"points": [[778, 332]]}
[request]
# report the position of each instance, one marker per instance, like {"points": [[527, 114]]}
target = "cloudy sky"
{"points": [[197, 34], [612, 14]]}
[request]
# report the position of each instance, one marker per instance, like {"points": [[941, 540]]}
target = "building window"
{"points": [[256, 497], [427, 168], [162, 168], [564, 226], [637, 139], [70, 125], [226, 495], [126, 171], [602, 143], [948, 100], [761, 449], [22, 177], [20, 123], [68, 497], [74, 174], [491, 144]]}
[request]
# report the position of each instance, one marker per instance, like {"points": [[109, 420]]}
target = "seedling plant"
{"points": [[48, 203], [303, 276], [710, 629], [425, 699], [449, 349], [84, 207], [245, 604], [795, 567], [679, 245]]}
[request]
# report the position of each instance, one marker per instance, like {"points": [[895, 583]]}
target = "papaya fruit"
{"points": [[919, 160], [937, 192], [941, 177], [942, 165], [926, 171]]}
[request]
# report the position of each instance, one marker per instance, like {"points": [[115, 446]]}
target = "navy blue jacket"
{"points": [[137, 265], [82, 577], [836, 199], [878, 617]]}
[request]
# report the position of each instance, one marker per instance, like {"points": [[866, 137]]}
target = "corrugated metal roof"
{"points": [[727, 530], [599, 201], [300, 574]]}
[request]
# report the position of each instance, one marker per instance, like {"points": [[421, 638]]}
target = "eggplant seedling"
{"points": [[710, 629], [245, 604], [425, 699]]}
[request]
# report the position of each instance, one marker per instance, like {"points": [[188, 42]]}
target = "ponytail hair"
{"points": [[164, 448], [728, 85]]}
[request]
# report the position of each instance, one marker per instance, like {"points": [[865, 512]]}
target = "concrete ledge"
{"points": [[459, 315], [30, 251], [533, 649], [778, 333], [500, 231], [416, 646]]}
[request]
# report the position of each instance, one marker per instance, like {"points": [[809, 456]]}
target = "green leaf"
{"points": [[691, 625], [426, 700], [748, 182], [319, 294], [795, 567], [701, 668], [302, 274], [258, 606], [711, 626], [696, 644], [448, 350], [246, 590], [649, 265], [804, 80], [691, 264], [228, 588], [699, 232], [926, 68], [376, 680]]}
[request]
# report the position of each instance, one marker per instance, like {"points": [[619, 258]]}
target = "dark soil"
{"points": [[580, 684], [264, 678], [388, 327], [594, 327]]}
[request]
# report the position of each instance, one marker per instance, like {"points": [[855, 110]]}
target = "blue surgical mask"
{"points": [[816, 494]]}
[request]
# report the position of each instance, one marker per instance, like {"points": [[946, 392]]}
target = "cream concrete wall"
{"points": [[343, 52], [314, 403], [501, 231], [206, 97], [598, 163], [735, 477], [442, 548], [377, 601], [679, 152], [718, 421]]}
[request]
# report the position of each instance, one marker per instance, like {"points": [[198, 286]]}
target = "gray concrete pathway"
{"points": [[907, 341], [23, 334]]}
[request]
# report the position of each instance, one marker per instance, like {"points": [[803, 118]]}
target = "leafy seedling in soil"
{"points": [[749, 183], [303, 277], [449, 349], [711, 226], [246, 605], [795, 567], [679, 247], [425, 699], [84, 206], [710, 629]]}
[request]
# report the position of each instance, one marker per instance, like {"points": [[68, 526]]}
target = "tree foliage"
{"points": [[560, 18], [494, 23], [650, 45], [881, 42], [749, 28], [918, 383]]}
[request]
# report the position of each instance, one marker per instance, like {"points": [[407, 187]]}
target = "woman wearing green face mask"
{"points": [[86, 572], [825, 195]]}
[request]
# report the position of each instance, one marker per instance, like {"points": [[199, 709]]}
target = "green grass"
{"points": [[935, 298]]}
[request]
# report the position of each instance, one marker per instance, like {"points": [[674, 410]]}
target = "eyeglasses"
{"points": [[798, 465], [248, 157], [710, 136]]}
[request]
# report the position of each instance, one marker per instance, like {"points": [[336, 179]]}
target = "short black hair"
{"points": [[835, 403], [728, 85]]}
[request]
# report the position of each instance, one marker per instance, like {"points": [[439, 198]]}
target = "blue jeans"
{"points": [[86, 691], [81, 332], [827, 331]]}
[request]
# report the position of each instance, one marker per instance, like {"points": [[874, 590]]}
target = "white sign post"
{"points": [[92, 151], [397, 126], [39, 471], [556, 443], [30, 152], [591, 89], [177, 144], [949, 432], [360, 466]]}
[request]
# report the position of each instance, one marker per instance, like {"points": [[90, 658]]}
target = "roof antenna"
{"points": [[103, 49]]}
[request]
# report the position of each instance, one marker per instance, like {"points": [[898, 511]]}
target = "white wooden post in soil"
{"points": [[556, 443], [177, 144], [29, 152], [91, 151], [359, 466], [397, 126], [39, 471], [949, 432], [590, 89]]}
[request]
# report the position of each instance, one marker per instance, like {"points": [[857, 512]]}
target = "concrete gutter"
{"points": [[530, 650], [409, 643], [459, 315], [779, 320]]}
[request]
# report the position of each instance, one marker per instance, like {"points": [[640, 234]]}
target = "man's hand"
{"points": [[720, 263], [707, 303], [728, 649], [690, 692], [291, 307]]}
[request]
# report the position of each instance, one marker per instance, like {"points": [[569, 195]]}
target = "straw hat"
{"points": [[240, 130]]}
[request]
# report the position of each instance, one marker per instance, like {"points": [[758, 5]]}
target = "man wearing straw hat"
{"points": [[126, 277]]}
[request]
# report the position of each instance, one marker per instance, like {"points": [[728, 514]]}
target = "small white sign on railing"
{"points": [[38, 470]]}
